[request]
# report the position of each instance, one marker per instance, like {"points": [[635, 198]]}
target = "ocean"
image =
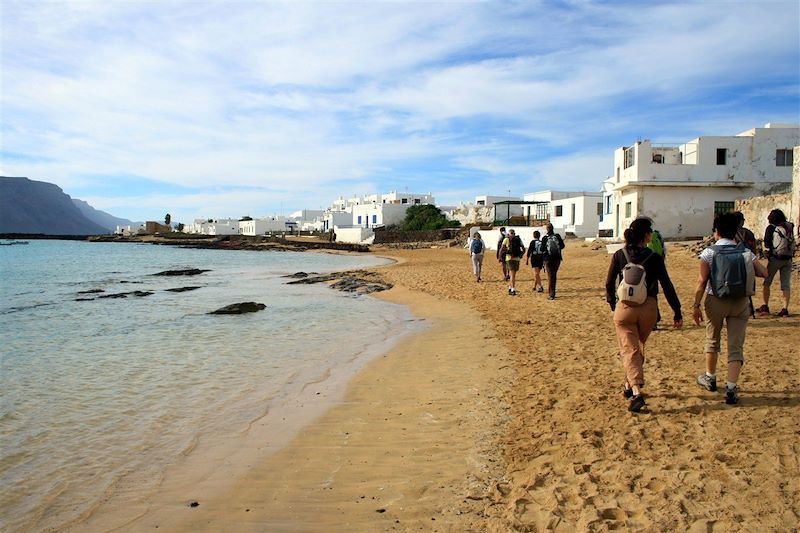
{"points": [[98, 393]]}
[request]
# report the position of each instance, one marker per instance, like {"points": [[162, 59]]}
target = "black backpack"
{"points": [[517, 248], [553, 248]]}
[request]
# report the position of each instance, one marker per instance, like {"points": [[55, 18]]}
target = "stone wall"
{"points": [[387, 236], [756, 209]]}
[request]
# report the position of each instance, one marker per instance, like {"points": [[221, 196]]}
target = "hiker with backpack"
{"points": [[476, 249], [535, 256], [515, 251], [552, 243], [727, 278], [657, 245], [780, 247], [744, 235], [501, 253], [639, 271]]}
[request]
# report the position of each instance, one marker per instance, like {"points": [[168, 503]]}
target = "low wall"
{"points": [[756, 210], [388, 236]]}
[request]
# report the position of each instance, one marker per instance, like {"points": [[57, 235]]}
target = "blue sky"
{"points": [[215, 109]]}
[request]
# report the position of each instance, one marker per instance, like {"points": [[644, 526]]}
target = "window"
{"points": [[628, 209], [617, 174], [572, 215], [559, 210], [630, 157], [374, 219], [359, 219], [417, 201], [541, 211], [658, 159], [600, 208], [404, 201], [783, 158], [722, 156], [723, 207], [609, 205]]}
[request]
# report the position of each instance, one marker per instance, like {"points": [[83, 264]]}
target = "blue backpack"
{"points": [[732, 273]]}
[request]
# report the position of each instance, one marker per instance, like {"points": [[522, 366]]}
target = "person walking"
{"points": [[476, 250], [634, 318], [535, 256], [657, 245], [780, 247], [501, 253], [515, 251], [552, 243], [726, 301], [745, 235]]}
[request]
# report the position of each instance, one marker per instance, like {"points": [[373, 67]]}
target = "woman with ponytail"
{"points": [[634, 322]]}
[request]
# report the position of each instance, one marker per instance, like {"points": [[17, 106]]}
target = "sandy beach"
{"points": [[506, 415]]}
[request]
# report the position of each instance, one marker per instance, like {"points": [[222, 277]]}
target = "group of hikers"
{"points": [[723, 295], [543, 252]]}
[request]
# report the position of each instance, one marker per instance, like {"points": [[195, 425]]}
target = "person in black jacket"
{"points": [[552, 244], [633, 323]]}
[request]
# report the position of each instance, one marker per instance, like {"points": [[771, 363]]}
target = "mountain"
{"points": [[110, 222], [28, 206]]}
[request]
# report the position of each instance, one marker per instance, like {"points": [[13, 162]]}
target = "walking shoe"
{"points": [[763, 310], [637, 402], [783, 312], [627, 393], [707, 382], [551, 297], [540, 289], [732, 396]]}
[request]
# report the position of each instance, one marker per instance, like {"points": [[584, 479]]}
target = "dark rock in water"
{"points": [[359, 286], [184, 272], [297, 275], [183, 289], [84, 299], [238, 309], [91, 291], [194, 504], [139, 294]]}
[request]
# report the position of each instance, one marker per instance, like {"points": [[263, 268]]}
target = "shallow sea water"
{"points": [[99, 393]]}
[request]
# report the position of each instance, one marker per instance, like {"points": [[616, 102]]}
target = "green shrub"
{"points": [[427, 217]]}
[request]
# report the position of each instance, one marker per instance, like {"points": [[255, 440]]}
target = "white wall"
{"points": [[491, 236], [585, 222], [353, 234]]}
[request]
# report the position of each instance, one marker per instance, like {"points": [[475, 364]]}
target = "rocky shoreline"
{"points": [[222, 242]]}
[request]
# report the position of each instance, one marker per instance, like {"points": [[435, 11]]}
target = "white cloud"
{"points": [[320, 96]]}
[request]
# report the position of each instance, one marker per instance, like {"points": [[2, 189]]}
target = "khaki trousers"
{"points": [[734, 311], [633, 324]]}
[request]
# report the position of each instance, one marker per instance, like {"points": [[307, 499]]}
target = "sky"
{"points": [[208, 109]]}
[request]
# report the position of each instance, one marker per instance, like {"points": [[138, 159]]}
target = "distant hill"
{"points": [[110, 222], [28, 206]]}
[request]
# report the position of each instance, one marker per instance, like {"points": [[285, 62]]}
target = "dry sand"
{"points": [[506, 415]]}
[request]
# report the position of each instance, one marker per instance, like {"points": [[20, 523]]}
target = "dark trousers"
{"points": [[552, 275]]}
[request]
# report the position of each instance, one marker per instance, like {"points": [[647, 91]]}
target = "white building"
{"points": [[571, 213], [368, 212], [261, 226], [308, 219], [210, 226], [681, 187]]}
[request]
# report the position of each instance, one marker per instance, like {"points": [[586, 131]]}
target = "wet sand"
{"points": [[506, 415]]}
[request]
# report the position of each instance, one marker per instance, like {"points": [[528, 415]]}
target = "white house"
{"points": [[260, 226], [369, 211], [681, 187], [222, 226], [574, 213]]}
